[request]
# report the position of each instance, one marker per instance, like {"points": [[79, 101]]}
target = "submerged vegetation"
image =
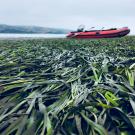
{"points": [[67, 87]]}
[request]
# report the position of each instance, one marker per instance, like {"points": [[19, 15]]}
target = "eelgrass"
{"points": [[67, 87]]}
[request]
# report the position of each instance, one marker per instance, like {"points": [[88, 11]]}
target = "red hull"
{"points": [[110, 33]]}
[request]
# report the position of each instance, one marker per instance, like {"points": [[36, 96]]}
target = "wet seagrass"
{"points": [[67, 87]]}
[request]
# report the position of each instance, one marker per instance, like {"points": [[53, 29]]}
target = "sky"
{"points": [[69, 14]]}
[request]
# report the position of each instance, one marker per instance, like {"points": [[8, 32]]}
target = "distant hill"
{"points": [[31, 29]]}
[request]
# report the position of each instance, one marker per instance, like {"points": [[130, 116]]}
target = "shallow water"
{"points": [[32, 35]]}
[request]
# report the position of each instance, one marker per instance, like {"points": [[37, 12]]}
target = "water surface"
{"points": [[32, 35]]}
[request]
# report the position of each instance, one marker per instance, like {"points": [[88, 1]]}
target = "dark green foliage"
{"points": [[67, 87]]}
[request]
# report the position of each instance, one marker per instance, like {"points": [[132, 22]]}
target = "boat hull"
{"points": [[111, 33]]}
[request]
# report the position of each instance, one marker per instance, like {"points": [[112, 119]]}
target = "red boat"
{"points": [[108, 33]]}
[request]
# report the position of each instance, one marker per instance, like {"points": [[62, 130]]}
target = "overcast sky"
{"points": [[69, 13]]}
